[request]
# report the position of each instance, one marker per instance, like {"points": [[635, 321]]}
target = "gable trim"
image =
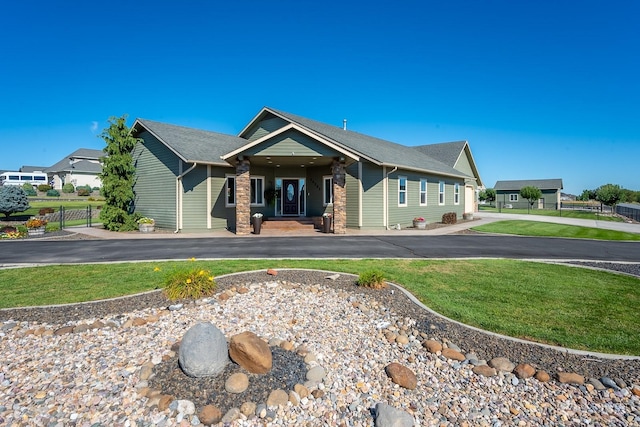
{"points": [[292, 126]]}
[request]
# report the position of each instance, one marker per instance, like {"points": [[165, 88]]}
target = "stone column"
{"points": [[339, 197], [243, 197]]}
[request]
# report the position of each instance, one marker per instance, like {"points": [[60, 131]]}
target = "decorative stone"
{"points": [[294, 398], [450, 353], [432, 346], [248, 408], [277, 398], [272, 272], [301, 390], [401, 375], [388, 416], [524, 370], [231, 415], [316, 374], [484, 370], [236, 383], [542, 376], [251, 352], [501, 364], [164, 401], [570, 378], [209, 415], [203, 351]]}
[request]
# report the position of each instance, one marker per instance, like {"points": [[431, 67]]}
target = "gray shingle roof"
{"points": [[81, 153], [377, 150], [194, 145], [26, 169], [542, 184], [446, 152]]}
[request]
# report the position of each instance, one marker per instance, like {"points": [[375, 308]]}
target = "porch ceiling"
{"points": [[292, 161]]}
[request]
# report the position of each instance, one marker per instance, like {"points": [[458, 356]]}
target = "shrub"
{"points": [[29, 191], [12, 199], [195, 283], [36, 222], [82, 191], [450, 218], [44, 188], [68, 188], [53, 193], [44, 211], [372, 279]]}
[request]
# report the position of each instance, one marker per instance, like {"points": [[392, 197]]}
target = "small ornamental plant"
{"points": [[327, 215], [193, 284], [146, 220], [35, 223], [257, 215], [372, 279], [418, 219]]}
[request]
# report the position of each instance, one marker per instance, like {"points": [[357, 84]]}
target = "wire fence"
{"points": [[629, 211], [63, 215]]}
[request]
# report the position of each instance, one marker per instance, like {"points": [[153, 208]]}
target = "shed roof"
{"points": [[542, 184]]}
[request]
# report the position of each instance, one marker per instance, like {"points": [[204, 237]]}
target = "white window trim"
{"points": [[226, 191], [513, 197], [456, 194], [258, 178], [441, 193], [405, 191], [326, 178], [425, 192]]}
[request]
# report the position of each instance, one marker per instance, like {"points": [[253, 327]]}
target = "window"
{"points": [[230, 191], [456, 194], [441, 193], [402, 191], [257, 191], [513, 197], [327, 185], [423, 192]]}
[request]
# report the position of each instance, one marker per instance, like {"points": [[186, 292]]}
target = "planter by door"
{"points": [[420, 225], [257, 224], [146, 228], [326, 224]]}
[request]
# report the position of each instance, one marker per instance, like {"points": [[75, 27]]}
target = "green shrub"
{"points": [[68, 188], [53, 193], [29, 191], [82, 191], [450, 218], [194, 283], [44, 188], [372, 279]]}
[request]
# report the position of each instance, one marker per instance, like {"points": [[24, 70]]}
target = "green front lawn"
{"points": [[566, 213], [568, 306], [546, 229]]}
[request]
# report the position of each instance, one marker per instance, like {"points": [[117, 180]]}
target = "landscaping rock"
{"points": [[570, 378], [401, 375], [251, 352], [203, 351], [524, 370], [388, 416]]}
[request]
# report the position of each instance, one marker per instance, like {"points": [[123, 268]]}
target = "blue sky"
{"points": [[540, 89]]}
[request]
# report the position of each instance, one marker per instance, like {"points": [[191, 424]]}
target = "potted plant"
{"points": [[270, 195], [326, 222], [256, 220], [419, 223], [36, 226], [146, 225]]}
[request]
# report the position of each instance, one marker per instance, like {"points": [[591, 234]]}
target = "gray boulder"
{"points": [[203, 351], [388, 416]]}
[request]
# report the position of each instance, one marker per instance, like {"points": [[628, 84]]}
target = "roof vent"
{"points": [[344, 124]]}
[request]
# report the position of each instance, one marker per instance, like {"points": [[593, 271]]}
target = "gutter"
{"points": [[179, 195], [386, 195]]}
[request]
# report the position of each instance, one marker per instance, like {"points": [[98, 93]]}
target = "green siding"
{"points": [[194, 199], [372, 196], [264, 127], [289, 142], [155, 190], [222, 217], [464, 165], [353, 190], [550, 199]]}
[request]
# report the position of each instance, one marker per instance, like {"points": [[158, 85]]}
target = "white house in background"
{"points": [[81, 167]]}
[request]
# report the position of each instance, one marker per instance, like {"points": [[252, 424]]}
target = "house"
{"points": [[82, 167], [508, 193], [284, 165]]}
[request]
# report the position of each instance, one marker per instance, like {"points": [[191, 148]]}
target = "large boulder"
{"points": [[251, 352], [203, 351]]}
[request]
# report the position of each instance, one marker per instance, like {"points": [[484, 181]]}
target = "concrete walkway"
{"points": [[481, 218]]}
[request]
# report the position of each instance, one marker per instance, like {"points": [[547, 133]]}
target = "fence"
{"points": [[628, 210], [567, 206], [64, 215]]}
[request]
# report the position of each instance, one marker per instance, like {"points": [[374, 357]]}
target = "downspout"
{"points": [[179, 196], [386, 195]]}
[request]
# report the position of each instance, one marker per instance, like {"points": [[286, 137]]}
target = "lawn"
{"points": [[545, 229], [561, 305], [566, 213]]}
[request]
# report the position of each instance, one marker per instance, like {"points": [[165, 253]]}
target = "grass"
{"points": [[54, 203], [568, 306], [566, 213], [545, 229]]}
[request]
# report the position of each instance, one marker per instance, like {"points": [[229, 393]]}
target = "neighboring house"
{"points": [[284, 165], [508, 193], [81, 167], [29, 169]]}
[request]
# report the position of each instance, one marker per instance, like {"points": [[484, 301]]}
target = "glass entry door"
{"points": [[290, 197]]}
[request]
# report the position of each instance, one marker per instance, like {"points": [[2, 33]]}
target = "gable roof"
{"points": [[192, 145], [82, 155], [449, 153], [376, 150], [542, 184]]}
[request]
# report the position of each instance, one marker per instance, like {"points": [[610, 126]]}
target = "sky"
{"points": [[540, 89]]}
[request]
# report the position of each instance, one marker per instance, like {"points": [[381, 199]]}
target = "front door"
{"points": [[290, 197]]}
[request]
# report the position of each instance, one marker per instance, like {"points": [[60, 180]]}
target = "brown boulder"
{"points": [[542, 376], [635, 391], [164, 401], [401, 375], [250, 352], [432, 346], [210, 415], [570, 378], [450, 353], [272, 272], [524, 370], [484, 370]]}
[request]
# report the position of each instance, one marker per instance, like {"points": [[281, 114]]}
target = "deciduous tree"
{"points": [[609, 194], [531, 193]]}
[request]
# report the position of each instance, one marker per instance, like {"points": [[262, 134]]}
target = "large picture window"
{"points": [[456, 194], [423, 192], [327, 184], [441, 193], [402, 191]]}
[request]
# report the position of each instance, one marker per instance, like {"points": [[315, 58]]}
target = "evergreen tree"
{"points": [[13, 199], [117, 176]]}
